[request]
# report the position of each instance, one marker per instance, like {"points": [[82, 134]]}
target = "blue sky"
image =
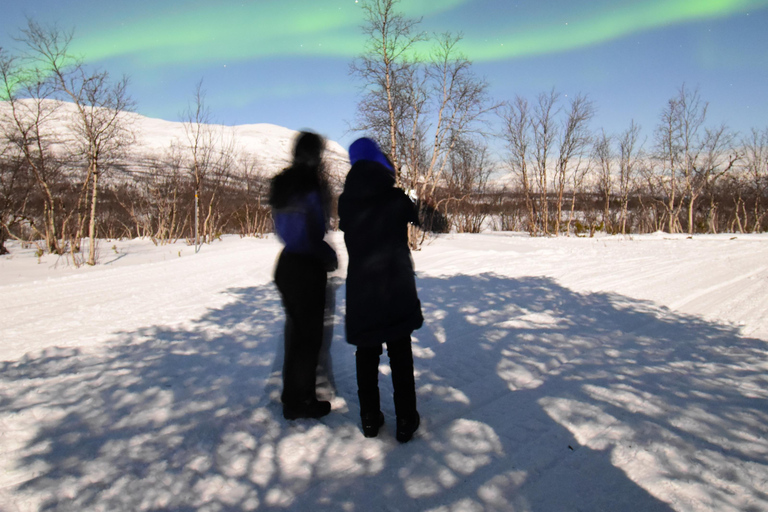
{"points": [[287, 61]]}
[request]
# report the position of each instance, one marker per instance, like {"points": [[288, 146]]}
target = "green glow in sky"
{"points": [[605, 26], [244, 31], [268, 29]]}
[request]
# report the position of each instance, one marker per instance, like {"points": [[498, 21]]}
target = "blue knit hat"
{"points": [[367, 149]]}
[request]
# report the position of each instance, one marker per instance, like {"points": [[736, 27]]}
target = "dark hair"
{"points": [[306, 173], [308, 149]]}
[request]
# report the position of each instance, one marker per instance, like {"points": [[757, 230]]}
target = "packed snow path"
{"points": [[553, 375]]}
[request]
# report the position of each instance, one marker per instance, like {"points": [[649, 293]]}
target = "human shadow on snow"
{"points": [[534, 397]]}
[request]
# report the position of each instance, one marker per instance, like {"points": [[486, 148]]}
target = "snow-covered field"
{"points": [[603, 374]]}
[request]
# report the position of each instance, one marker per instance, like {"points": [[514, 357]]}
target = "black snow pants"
{"points": [[401, 364], [301, 280]]}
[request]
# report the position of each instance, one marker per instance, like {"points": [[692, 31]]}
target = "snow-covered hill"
{"points": [[270, 144]]}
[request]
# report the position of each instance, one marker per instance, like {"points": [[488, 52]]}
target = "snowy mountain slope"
{"points": [[270, 144]]}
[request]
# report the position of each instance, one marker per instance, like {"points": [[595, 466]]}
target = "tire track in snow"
{"points": [[714, 288]]}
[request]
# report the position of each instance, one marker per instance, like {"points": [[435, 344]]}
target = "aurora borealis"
{"points": [[329, 28], [582, 28], [286, 61]]}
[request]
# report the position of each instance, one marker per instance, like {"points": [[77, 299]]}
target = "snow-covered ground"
{"points": [[603, 374]]}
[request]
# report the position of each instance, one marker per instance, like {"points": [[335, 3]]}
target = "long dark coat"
{"points": [[382, 301]]}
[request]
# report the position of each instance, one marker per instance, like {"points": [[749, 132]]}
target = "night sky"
{"points": [[287, 61]]}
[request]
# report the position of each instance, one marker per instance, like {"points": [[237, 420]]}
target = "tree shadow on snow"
{"points": [[534, 397]]}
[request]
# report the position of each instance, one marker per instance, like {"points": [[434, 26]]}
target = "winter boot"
{"points": [[371, 423], [307, 409], [406, 427]]}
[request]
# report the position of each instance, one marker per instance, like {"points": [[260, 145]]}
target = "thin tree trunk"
{"points": [[92, 225], [690, 215]]}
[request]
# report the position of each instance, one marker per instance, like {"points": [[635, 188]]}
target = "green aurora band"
{"points": [[627, 20], [331, 28], [243, 32]]}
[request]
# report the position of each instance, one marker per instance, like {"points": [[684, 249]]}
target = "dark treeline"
{"points": [[71, 171], [161, 206], [688, 177], [153, 198], [560, 177]]}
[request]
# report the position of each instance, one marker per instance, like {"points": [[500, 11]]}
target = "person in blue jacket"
{"points": [[299, 197], [382, 302]]}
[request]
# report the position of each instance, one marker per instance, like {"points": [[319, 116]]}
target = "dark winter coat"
{"points": [[297, 197], [382, 301]]}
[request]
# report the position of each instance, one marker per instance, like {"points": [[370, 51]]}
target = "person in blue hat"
{"points": [[299, 199], [382, 301]]}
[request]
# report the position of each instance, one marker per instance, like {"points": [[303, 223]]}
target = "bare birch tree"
{"points": [[578, 176], [669, 154], [199, 143], [448, 113], [693, 156], [27, 119], [254, 216], [605, 158], [517, 135], [755, 168], [547, 151], [15, 189], [545, 132], [717, 159], [15, 184], [418, 107], [630, 154], [102, 131], [390, 36], [692, 114], [467, 185], [165, 185], [212, 156], [574, 139]]}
